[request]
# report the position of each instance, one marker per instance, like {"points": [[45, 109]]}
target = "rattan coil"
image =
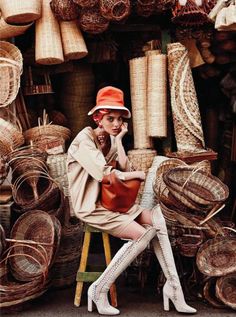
{"points": [[48, 45], [226, 290], [138, 89], [217, 257], [23, 11], [115, 10], [184, 104], [74, 46], [66, 10]]}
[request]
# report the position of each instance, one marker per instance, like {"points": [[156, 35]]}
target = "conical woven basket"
{"points": [[48, 45], [74, 46], [11, 30], [23, 11]]}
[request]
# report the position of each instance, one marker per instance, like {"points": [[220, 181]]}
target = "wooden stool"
{"points": [[85, 276]]}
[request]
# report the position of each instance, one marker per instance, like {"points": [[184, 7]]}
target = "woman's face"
{"points": [[112, 122]]}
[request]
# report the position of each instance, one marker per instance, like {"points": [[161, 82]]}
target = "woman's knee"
{"points": [[132, 232]]}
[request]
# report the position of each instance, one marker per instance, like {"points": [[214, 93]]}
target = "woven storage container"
{"points": [[217, 257], [48, 45], [11, 133], [226, 290], [157, 95], [74, 46], [184, 104], [188, 244], [91, 21], [23, 11], [148, 199], [4, 169], [65, 10], [76, 97], [86, 3], [209, 293], [115, 10], [10, 71], [36, 226], [11, 30], [138, 89], [141, 160]]}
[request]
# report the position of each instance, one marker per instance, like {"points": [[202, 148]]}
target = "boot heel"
{"points": [[90, 304], [166, 302]]}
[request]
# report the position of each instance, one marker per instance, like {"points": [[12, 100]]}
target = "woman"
{"points": [[90, 158]]}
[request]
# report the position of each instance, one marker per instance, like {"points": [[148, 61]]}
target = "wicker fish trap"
{"points": [[114, 10], [86, 3], [217, 257], [65, 9], [36, 226], [91, 21], [226, 290], [197, 185]]}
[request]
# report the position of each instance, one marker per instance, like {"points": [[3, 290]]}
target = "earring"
{"points": [[100, 125]]}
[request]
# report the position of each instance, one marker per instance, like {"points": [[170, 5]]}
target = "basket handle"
{"points": [[217, 208], [194, 170]]}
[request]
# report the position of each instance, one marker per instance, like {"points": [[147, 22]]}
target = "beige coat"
{"points": [[86, 168]]}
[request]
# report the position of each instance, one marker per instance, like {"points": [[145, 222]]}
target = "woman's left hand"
{"points": [[123, 131]]}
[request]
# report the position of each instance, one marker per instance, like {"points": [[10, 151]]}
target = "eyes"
{"points": [[111, 119]]}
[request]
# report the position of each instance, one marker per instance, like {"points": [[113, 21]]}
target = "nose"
{"points": [[116, 123]]}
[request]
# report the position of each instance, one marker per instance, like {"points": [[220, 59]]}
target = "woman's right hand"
{"points": [[132, 175]]}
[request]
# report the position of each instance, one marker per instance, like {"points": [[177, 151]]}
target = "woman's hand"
{"points": [[123, 131]]}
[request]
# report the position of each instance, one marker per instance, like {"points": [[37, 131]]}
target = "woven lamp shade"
{"points": [[138, 88], [74, 46], [12, 30], [141, 160], [185, 109], [23, 11], [157, 95], [48, 45]]}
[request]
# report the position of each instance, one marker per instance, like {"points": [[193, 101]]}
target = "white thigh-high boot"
{"points": [[172, 289], [97, 292]]}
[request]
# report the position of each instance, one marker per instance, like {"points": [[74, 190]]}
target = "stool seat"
{"points": [[87, 276]]}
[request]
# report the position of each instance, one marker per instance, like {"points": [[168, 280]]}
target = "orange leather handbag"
{"points": [[118, 195]]}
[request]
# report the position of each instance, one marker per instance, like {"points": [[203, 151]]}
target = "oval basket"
{"points": [[226, 290], [209, 291], [217, 257], [36, 226]]}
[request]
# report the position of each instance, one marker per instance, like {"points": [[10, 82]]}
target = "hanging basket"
{"points": [[86, 3], [115, 10], [11, 30], [23, 11], [91, 21], [65, 10]]}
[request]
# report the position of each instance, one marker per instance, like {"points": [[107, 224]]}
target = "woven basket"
{"points": [[23, 11], [145, 8], [65, 10], [91, 21], [86, 3], [184, 104], [138, 89], [11, 30], [36, 226], [12, 132], [197, 185], [74, 46], [48, 45], [115, 10], [4, 169], [226, 290], [156, 90], [188, 244], [217, 257], [209, 291]]}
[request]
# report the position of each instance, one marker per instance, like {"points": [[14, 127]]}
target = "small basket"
{"points": [[115, 10], [86, 3], [217, 257], [91, 21], [189, 244], [226, 290], [209, 291], [11, 30], [65, 10]]}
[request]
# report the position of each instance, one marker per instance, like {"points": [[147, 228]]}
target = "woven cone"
{"points": [[74, 46], [185, 109], [138, 88], [11, 30], [157, 95], [23, 11], [48, 45]]}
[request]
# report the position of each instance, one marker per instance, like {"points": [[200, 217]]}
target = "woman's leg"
{"points": [[97, 292]]}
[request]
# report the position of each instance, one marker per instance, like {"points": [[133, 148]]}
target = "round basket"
{"points": [[65, 10], [217, 257], [11, 30], [209, 293], [48, 45], [115, 10], [188, 244], [23, 11], [91, 21], [47, 130], [12, 132], [226, 290], [196, 184], [86, 3], [4, 169], [74, 46], [36, 226]]}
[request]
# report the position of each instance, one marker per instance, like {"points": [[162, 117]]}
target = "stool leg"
{"points": [[82, 267], [107, 251]]}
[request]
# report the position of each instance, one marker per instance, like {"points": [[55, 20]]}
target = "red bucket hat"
{"points": [[110, 98]]}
